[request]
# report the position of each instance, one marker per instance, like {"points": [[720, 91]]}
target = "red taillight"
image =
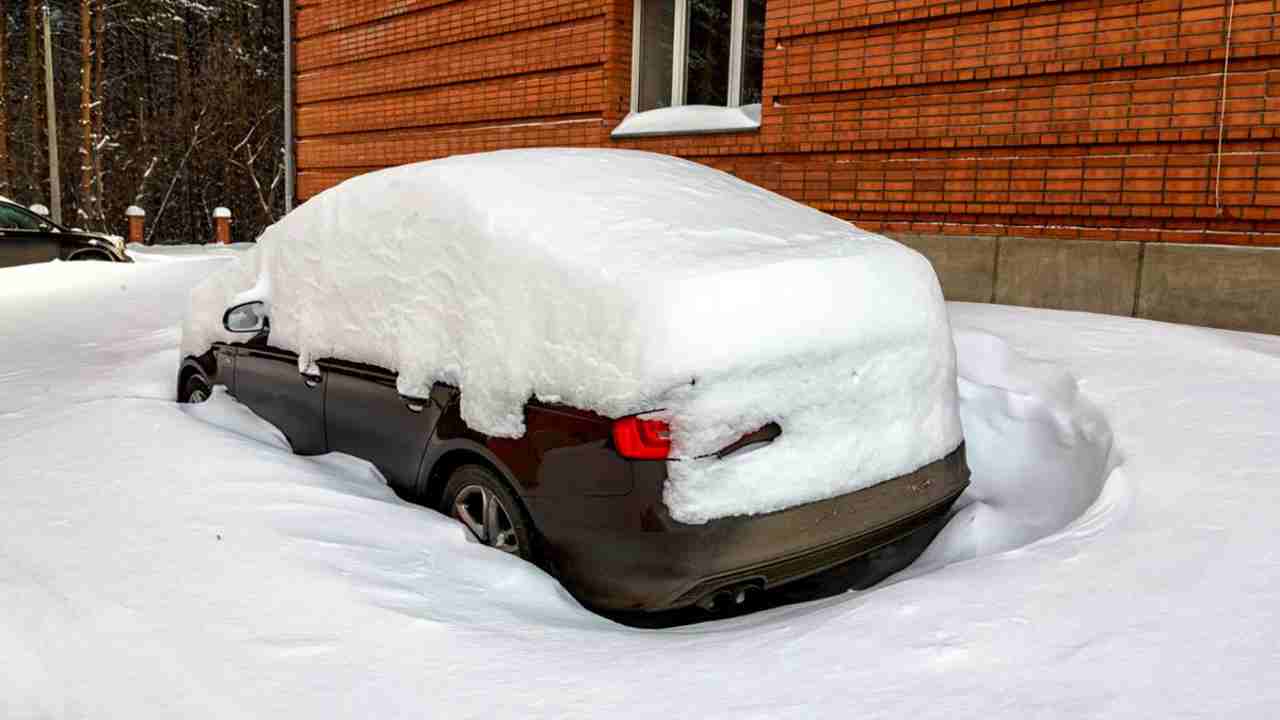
{"points": [[642, 439]]}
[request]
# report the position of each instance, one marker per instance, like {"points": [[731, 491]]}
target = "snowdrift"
{"points": [[1041, 453], [621, 282]]}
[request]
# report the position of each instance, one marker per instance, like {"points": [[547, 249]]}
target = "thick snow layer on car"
{"points": [[159, 560], [622, 282]]}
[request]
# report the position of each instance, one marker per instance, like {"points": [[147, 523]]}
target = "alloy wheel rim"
{"points": [[480, 510]]}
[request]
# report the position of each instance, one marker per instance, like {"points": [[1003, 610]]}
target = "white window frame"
{"points": [[680, 51]]}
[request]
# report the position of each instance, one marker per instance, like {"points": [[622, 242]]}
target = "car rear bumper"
{"points": [[626, 553]]}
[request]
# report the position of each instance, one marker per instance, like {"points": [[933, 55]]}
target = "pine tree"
{"points": [[172, 105], [100, 107], [85, 202], [35, 98], [4, 91]]}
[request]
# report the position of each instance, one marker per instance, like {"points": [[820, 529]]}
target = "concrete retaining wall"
{"points": [[1232, 287]]}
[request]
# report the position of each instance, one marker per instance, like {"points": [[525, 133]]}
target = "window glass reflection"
{"points": [[707, 74], [657, 32]]}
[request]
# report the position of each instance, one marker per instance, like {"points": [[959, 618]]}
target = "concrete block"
{"points": [[965, 264], [1090, 275], [1237, 288]]}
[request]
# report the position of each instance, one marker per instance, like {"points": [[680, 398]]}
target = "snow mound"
{"points": [[1041, 454], [621, 282]]}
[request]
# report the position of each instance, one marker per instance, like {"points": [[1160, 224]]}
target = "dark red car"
{"points": [[578, 494]]}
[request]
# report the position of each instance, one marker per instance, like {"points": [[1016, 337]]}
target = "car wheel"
{"points": [[195, 390], [481, 501]]}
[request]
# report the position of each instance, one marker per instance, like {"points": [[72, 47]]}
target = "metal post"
{"points": [[288, 107], [55, 183]]}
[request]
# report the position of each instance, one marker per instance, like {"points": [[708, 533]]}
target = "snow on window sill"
{"points": [[688, 119]]}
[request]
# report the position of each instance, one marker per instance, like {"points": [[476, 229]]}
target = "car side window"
{"points": [[11, 218]]}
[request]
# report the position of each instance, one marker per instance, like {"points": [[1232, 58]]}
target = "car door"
{"points": [[22, 240], [268, 382], [365, 416]]}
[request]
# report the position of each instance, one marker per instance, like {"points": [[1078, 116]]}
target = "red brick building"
{"points": [[1044, 153]]}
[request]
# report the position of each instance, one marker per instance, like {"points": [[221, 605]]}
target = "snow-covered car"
{"points": [[664, 384], [26, 237]]}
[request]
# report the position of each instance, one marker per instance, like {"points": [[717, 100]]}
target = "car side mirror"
{"points": [[250, 317]]}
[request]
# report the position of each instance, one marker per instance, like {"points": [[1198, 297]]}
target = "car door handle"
{"points": [[311, 380]]}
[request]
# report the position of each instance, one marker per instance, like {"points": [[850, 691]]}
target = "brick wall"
{"points": [[1093, 119]]}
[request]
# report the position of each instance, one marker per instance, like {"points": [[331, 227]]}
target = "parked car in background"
{"points": [[26, 237], [664, 385]]}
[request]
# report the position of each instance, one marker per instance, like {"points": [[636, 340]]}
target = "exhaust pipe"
{"points": [[728, 598]]}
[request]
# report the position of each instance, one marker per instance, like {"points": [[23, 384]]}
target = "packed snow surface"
{"points": [[1114, 558], [165, 253], [621, 282]]}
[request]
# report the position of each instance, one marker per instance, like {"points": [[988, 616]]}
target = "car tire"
{"points": [[195, 390], [476, 497]]}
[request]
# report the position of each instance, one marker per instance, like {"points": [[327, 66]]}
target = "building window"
{"points": [[697, 52]]}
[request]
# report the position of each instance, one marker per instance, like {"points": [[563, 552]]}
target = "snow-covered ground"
{"points": [[159, 253], [1115, 556]]}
